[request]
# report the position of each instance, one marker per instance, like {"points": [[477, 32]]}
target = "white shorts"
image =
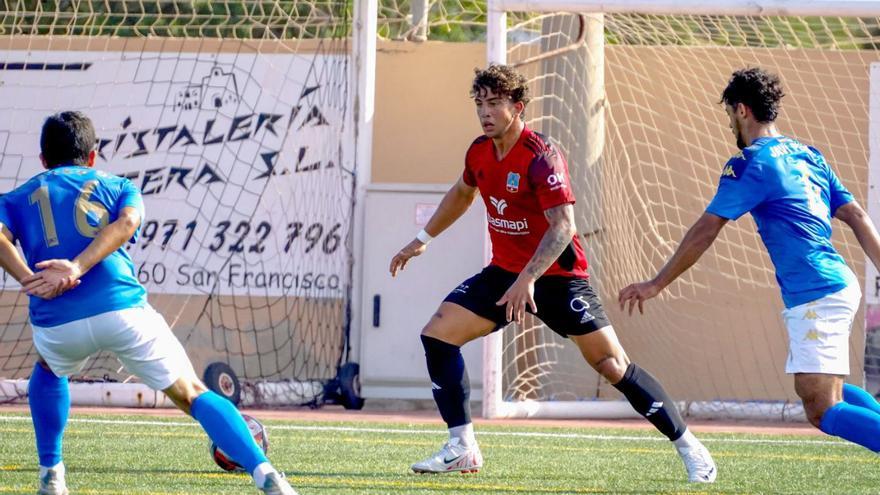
{"points": [[139, 337], [818, 333]]}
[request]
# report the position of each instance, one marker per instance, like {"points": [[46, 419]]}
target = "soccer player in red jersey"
{"points": [[538, 265]]}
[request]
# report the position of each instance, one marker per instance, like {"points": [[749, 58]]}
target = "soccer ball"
{"points": [[261, 436]]}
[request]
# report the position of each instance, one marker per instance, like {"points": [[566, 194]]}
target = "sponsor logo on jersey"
{"points": [[499, 204], [813, 334], [734, 168], [515, 227], [556, 181], [512, 182]]}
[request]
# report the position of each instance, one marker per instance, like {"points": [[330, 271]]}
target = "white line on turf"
{"points": [[392, 431]]}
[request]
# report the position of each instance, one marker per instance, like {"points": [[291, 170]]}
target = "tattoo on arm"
{"points": [[555, 240]]}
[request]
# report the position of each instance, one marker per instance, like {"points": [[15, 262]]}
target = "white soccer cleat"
{"points": [[453, 457], [700, 466], [275, 484], [52, 484]]}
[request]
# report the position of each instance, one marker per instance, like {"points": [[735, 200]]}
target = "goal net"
{"points": [[233, 118], [632, 98]]}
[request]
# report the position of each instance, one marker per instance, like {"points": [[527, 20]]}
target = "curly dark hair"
{"points": [[757, 89], [503, 80]]}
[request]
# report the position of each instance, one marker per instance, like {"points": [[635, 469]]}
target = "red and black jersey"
{"points": [[533, 177]]}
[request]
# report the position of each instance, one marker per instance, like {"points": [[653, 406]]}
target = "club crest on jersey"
{"points": [[512, 182]]}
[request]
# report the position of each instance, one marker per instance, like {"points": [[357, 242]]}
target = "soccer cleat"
{"points": [[52, 484], [275, 484], [453, 457], [700, 466]]}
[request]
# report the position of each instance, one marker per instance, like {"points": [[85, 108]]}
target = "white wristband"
{"points": [[424, 237]]}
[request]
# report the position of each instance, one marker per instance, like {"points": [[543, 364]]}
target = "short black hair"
{"points": [[503, 80], [757, 89], [67, 138]]}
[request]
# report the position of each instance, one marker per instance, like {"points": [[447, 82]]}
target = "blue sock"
{"points": [[856, 424], [860, 397], [449, 381], [225, 426], [49, 398]]}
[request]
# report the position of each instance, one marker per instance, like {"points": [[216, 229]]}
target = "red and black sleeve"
{"points": [[548, 175]]}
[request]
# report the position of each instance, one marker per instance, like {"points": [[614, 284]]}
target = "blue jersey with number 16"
{"points": [[55, 215]]}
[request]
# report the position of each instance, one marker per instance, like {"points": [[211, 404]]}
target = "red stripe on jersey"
{"points": [[516, 190], [534, 144]]}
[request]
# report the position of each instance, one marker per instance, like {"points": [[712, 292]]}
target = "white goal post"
{"points": [[498, 401]]}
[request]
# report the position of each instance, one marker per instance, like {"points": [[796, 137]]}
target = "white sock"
{"points": [[260, 473], [686, 442], [58, 468], [465, 434]]}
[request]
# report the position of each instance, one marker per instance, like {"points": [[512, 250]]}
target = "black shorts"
{"points": [[567, 305]]}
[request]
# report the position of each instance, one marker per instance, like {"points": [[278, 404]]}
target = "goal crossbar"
{"points": [[837, 8], [494, 404]]}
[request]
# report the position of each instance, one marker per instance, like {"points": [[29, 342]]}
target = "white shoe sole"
{"points": [[452, 470]]}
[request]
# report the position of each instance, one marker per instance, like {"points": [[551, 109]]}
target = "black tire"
{"points": [[220, 378], [350, 386]]}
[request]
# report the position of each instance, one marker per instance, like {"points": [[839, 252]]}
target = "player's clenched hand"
{"points": [[54, 278], [520, 294], [637, 294], [414, 248]]}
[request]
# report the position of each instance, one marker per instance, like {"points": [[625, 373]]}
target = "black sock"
{"points": [[648, 398], [449, 381]]}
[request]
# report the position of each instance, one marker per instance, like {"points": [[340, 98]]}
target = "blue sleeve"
{"points": [[130, 196], [740, 189], [839, 195]]}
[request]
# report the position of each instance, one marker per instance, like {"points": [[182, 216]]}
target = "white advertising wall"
{"points": [[238, 156]]}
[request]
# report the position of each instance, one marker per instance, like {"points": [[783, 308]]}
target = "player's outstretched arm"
{"points": [[557, 237], [66, 273], [858, 220], [456, 201], [697, 240]]}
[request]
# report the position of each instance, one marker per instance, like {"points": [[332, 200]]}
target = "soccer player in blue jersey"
{"points": [[792, 194], [72, 223]]}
